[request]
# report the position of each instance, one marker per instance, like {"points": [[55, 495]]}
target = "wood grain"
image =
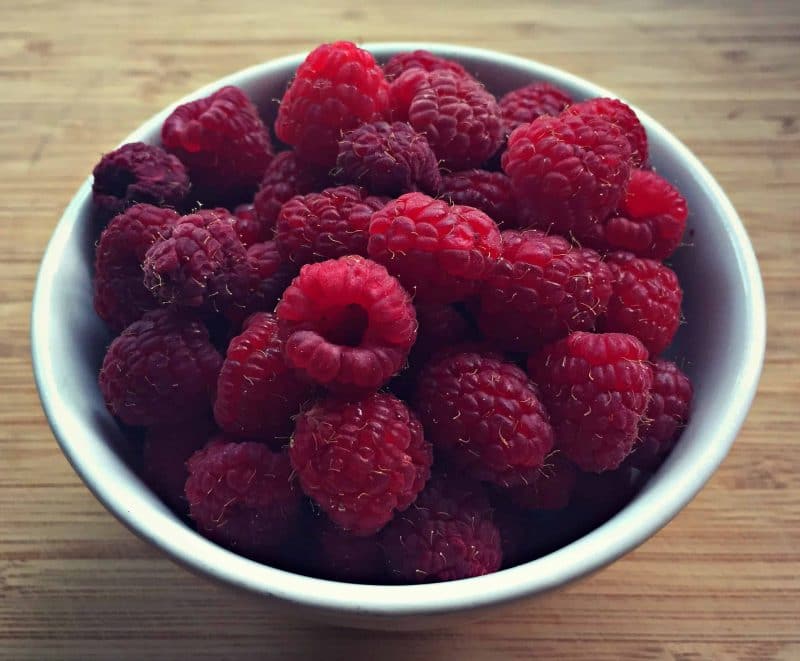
{"points": [[720, 582]]}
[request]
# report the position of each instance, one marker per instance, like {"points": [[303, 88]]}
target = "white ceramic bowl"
{"points": [[722, 342]]}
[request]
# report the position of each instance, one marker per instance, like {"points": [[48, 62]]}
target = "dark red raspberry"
{"points": [[137, 172], [360, 460], [120, 297], [347, 323], [595, 388], [326, 225], [164, 454], [650, 221], [646, 301], [388, 159], [248, 227], [621, 114], [551, 488], [200, 262], [447, 534], [488, 191], [284, 178], [440, 326], [242, 496], [420, 59], [346, 557], [484, 416], [163, 368], [542, 288], [523, 105], [456, 114], [257, 393], [337, 87], [439, 252], [223, 143], [569, 172]]}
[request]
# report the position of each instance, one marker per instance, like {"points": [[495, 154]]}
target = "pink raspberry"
{"points": [[346, 557], [360, 460], [439, 252], [523, 105], [550, 489], [223, 143], [623, 116], [420, 59], [337, 87], [490, 192], [347, 323]]}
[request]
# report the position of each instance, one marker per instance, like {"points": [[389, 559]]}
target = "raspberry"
{"points": [[646, 301], [420, 59], [523, 105], [338, 87], [360, 460], [551, 488], [447, 534], [650, 221], [440, 326], [345, 557], [200, 262], [542, 288], [456, 114], [162, 368], [488, 191], [120, 297], [223, 143], [439, 252], [595, 387], [242, 496], [257, 394], [388, 159], [326, 225], [622, 115], [164, 454], [248, 227], [347, 323], [283, 179], [137, 172], [484, 416], [568, 171]]}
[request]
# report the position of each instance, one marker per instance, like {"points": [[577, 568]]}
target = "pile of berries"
{"points": [[421, 343]]}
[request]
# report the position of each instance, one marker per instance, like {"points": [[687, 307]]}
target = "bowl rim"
{"points": [[652, 509]]}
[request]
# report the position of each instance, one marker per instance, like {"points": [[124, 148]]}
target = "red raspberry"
{"points": [[420, 59], [523, 105], [338, 87], [360, 460], [456, 114], [242, 496], [162, 368], [347, 323], [646, 301], [569, 171], [200, 262], [447, 534], [484, 416], [542, 288], [345, 557], [120, 297], [164, 454], [551, 488], [223, 143], [137, 172], [388, 159], [248, 227], [326, 225], [440, 326], [283, 179], [595, 387], [621, 114], [257, 393], [439, 252], [488, 191], [650, 221]]}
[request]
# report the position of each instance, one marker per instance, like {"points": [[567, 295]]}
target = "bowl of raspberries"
{"points": [[391, 333]]}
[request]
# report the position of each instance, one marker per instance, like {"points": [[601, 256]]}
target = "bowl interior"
{"points": [[721, 347]]}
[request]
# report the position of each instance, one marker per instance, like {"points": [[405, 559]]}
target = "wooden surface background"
{"points": [[720, 582]]}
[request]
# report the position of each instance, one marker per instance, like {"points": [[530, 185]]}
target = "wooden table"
{"points": [[721, 581]]}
